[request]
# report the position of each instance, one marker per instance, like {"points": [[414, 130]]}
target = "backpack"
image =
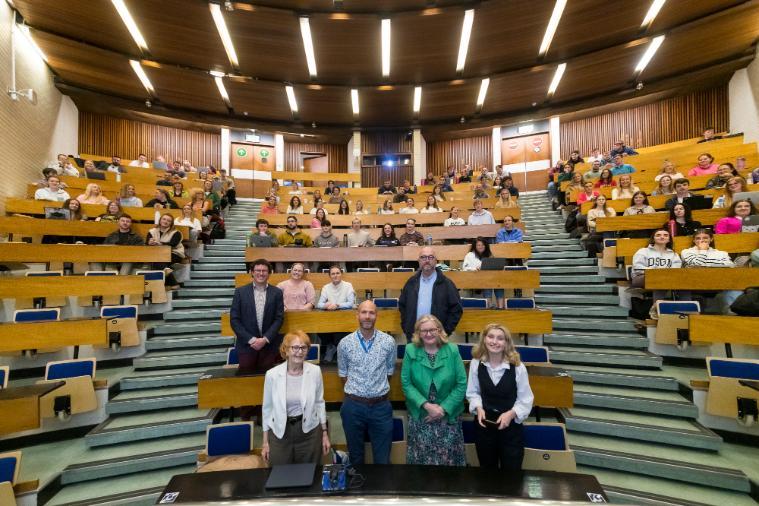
{"points": [[217, 228], [747, 304]]}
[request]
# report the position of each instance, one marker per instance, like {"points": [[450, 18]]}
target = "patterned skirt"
{"points": [[438, 443]]}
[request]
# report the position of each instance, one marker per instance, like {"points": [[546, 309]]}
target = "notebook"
{"points": [[56, 213], [493, 264]]}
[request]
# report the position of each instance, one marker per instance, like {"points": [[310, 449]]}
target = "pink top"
{"points": [[583, 197], [297, 294], [728, 225], [315, 223], [698, 171]]}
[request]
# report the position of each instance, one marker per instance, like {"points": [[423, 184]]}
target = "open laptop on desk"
{"points": [[493, 264], [695, 202], [291, 475]]}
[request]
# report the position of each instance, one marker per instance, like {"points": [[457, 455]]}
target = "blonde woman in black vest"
{"points": [[500, 397], [166, 234]]}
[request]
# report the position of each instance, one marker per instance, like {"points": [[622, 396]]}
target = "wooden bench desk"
{"points": [[465, 280], [15, 337], [378, 220], [20, 406], [78, 253], [34, 227], [31, 287], [702, 278], [707, 217], [389, 254], [370, 206], [704, 328], [438, 233], [37, 208], [338, 177], [75, 188], [745, 242]]}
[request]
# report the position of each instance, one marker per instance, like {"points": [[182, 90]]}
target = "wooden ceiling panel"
{"points": [[672, 14], [347, 50], [518, 90], [186, 89], [259, 99], [268, 44], [327, 105], [348, 6], [387, 107], [90, 67], [449, 101]]}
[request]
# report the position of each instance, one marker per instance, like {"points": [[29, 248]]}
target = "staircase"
{"points": [[154, 429], [631, 426]]}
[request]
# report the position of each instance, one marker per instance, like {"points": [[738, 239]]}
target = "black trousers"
{"points": [[499, 449]]}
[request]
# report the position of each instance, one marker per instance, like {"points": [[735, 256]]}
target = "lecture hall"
{"points": [[243, 247]]}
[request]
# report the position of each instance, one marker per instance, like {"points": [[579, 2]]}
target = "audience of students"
{"points": [[681, 221], [705, 166], [733, 222]]}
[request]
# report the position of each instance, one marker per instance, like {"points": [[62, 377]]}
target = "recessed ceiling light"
{"points": [[142, 76], [656, 6], [483, 91], [226, 39], [417, 98], [128, 20], [222, 91], [385, 47], [354, 102], [556, 78], [653, 46], [553, 24], [291, 98], [466, 33], [308, 45]]}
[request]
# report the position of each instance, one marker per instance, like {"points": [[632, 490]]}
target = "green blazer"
{"points": [[449, 375]]}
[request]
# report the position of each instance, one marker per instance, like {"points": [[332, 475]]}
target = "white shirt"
{"points": [[137, 163], [294, 385], [193, 223], [471, 262], [48, 194], [313, 211], [454, 222], [408, 210], [525, 398], [429, 210], [483, 218], [343, 295]]}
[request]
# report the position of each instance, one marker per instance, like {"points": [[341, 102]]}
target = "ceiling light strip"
{"points": [[653, 46], [128, 20], [291, 98], [656, 6], [385, 47], [466, 33], [354, 101], [308, 45], [417, 98], [222, 91], [553, 24], [226, 39], [556, 78], [143, 77], [483, 91]]}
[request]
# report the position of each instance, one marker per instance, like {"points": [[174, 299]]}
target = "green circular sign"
{"points": [[241, 152], [264, 153]]}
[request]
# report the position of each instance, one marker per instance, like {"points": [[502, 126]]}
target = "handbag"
{"points": [[747, 304]]}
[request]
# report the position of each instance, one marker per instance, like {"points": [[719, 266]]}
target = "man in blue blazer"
{"points": [[257, 313]]}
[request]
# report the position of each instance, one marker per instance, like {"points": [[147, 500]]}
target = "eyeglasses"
{"points": [[261, 271], [426, 258], [429, 331], [299, 349]]}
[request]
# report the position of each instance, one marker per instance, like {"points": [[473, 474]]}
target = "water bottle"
{"points": [[345, 240], [429, 239]]}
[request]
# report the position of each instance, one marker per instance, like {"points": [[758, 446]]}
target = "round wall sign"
{"points": [[241, 152], [264, 153]]}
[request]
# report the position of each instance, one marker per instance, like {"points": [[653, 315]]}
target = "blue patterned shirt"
{"points": [[366, 364], [424, 297]]}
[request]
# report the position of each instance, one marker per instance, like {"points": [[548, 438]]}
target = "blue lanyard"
{"points": [[363, 343]]}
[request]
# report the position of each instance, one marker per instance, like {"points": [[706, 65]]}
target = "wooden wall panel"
{"points": [[378, 174], [668, 120], [105, 135], [474, 151], [387, 142], [336, 153]]}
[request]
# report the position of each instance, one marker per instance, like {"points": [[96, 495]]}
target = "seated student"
{"points": [[318, 205], [330, 189], [657, 255], [89, 166], [337, 294], [681, 221], [500, 397], [319, 217], [735, 184], [705, 166], [478, 250], [505, 201], [408, 187], [411, 237], [387, 208], [639, 205], [668, 169], [358, 237], [116, 167], [409, 208], [497, 185], [479, 192], [188, 167], [733, 222], [565, 173], [211, 195], [596, 156], [508, 183], [453, 219], [431, 206], [326, 239], [336, 197], [360, 208], [665, 186], [262, 237], [272, 193], [128, 196], [175, 168], [295, 189], [724, 172], [295, 206], [123, 236], [166, 234], [509, 232], [703, 255], [574, 158], [621, 149], [400, 197], [625, 189], [75, 210], [199, 203], [619, 167], [161, 200], [46, 174], [681, 193], [52, 192], [293, 236], [142, 161], [270, 207], [587, 194], [178, 191], [594, 241], [387, 188], [480, 216], [426, 181], [63, 167], [344, 208], [92, 195], [75, 214], [387, 237], [709, 135], [576, 185], [298, 293], [606, 179], [112, 212], [594, 172], [188, 219]]}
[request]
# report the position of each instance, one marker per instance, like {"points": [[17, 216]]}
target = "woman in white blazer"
{"points": [[294, 417]]}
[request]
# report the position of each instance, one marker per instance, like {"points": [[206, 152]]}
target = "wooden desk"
{"points": [[15, 337], [20, 406], [731, 243], [377, 220], [702, 278], [518, 321], [707, 217], [372, 254], [35, 227], [371, 206], [525, 279], [78, 253], [77, 286], [723, 329], [338, 177], [438, 233], [37, 208]]}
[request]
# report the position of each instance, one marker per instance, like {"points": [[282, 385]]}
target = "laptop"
{"points": [[750, 224], [57, 213], [752, 196], [91, 174], [159, 165], [695, 202], [493, 264], [291, 475]]}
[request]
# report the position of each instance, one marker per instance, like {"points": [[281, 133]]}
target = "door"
{"points": [[315, 162], [528, 158]]}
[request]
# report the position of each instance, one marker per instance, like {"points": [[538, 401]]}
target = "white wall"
{"points": [[420, 156], [29, 133], [744, 102]]}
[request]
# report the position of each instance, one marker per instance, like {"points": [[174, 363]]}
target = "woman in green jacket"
{"points": [[434, 382]]}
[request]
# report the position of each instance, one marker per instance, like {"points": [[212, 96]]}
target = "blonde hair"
{"points": [[442, 337], [510, 353], [124, 189], [90, 188], [287, 341], [729, 194]]}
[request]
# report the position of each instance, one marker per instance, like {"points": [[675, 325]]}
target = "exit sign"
{"points": [[252, 138]]}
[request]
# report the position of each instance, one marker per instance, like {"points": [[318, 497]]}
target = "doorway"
{"points": [[314, 162], [528, 158]]}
